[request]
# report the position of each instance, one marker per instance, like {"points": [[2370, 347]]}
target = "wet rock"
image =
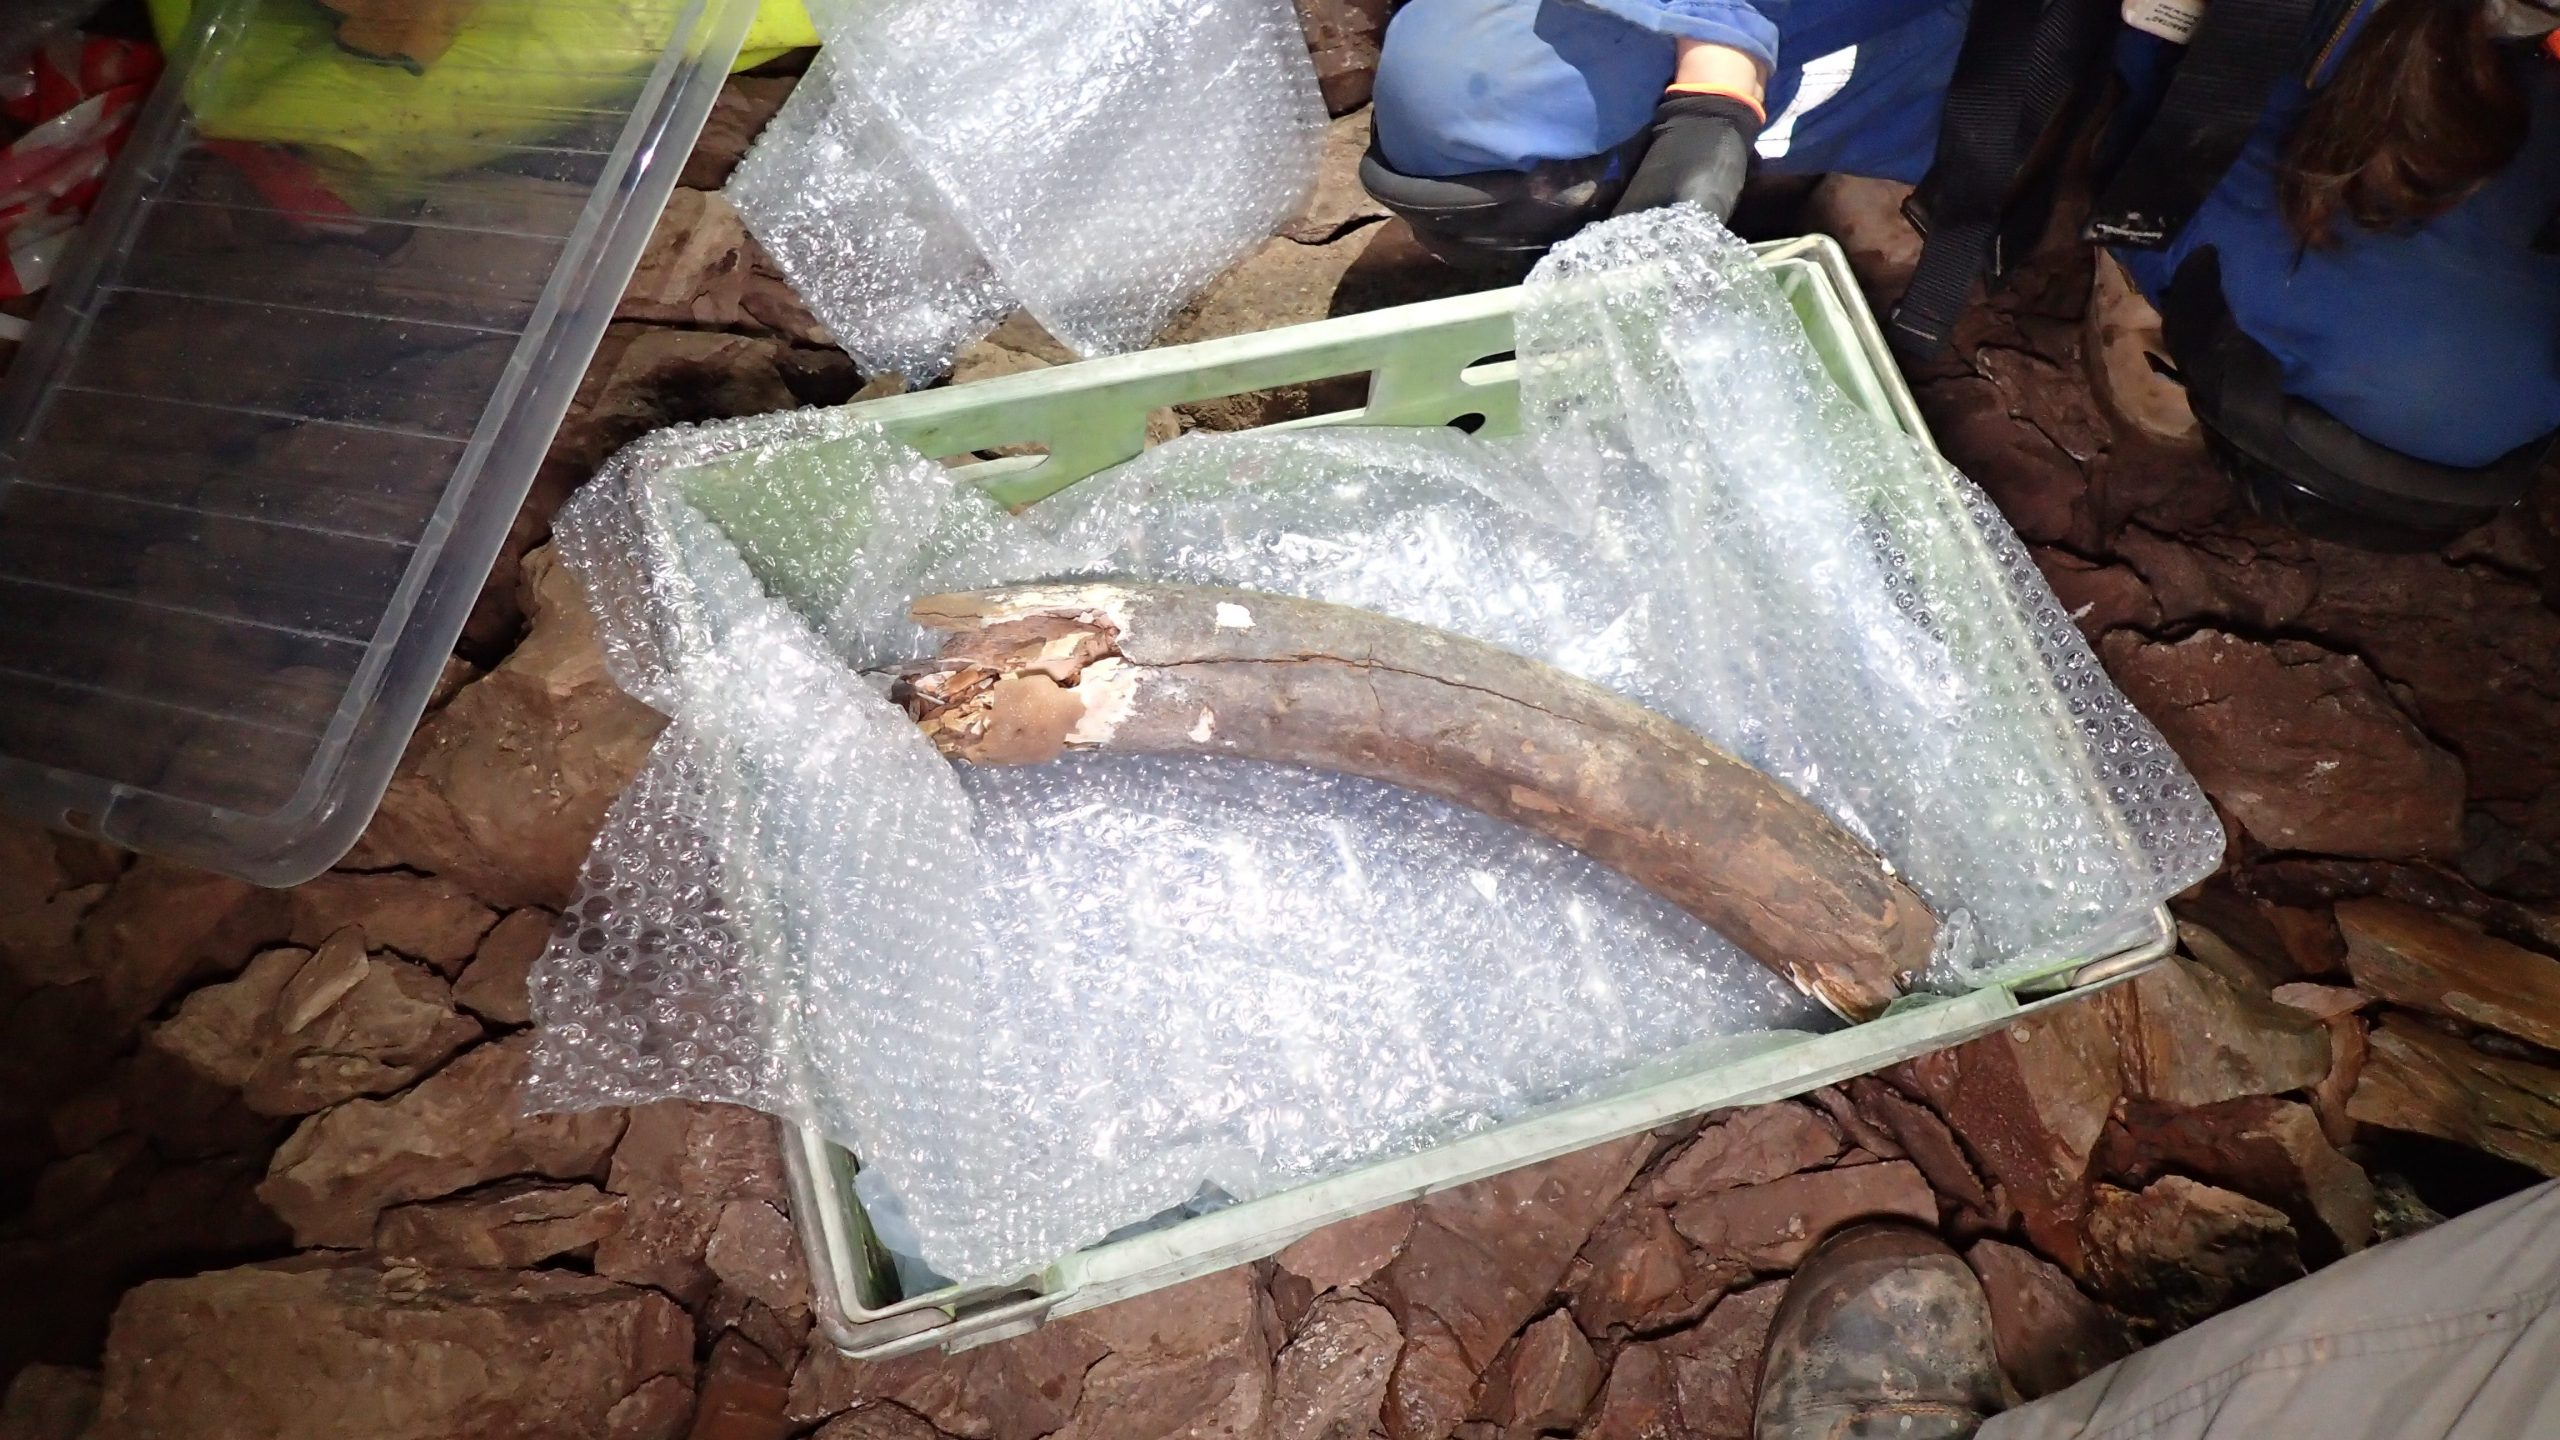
{"points": [[2445, 966], [299, 1032], [292, 1350], [2337, 1007], [460, 1127], [163, 926], [2422, 1080], [2190, 1037], [2302, 746], [509, 1226], [1772, 1227], [1637, 1274], [2048, 1333], [703, 269], [1544, 1381], [680, 1165], [418, 916], [1919, 1133], [1339, 204], [745, 105], [504, 790], [744, 1395], [496, 986], [754, 1249], [2179, 1251], [1342, 40], [2030, 1101], [1332, 1378], [1348, 1251], [1748, 1147], [1482, 1259], [2270, 1150]]}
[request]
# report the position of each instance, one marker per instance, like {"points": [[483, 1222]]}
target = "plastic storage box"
{"points": [[271, 430], [1446, 362]]}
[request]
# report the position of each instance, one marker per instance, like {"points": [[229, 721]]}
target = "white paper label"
{"points": [[2171, 20]]}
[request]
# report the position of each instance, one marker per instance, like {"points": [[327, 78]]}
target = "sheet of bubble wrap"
{"points": [[1044, 1004], [1096, 161]]}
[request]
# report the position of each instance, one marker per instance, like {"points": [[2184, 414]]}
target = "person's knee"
{"points": [[1468, 86]]}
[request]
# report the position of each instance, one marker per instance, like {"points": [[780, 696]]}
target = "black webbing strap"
{"points": [[2021, 60], [2241, 50]]}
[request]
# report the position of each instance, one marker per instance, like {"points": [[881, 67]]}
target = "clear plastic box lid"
{"points": [[282, 405]]}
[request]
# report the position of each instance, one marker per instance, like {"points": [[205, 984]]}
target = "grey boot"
{"points": [[1884, 1334]]}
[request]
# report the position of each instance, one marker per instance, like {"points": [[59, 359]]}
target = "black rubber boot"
{"points": [[1884, 1335]]}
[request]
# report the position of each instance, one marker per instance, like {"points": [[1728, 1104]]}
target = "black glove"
{"points": [[1700, 151]]}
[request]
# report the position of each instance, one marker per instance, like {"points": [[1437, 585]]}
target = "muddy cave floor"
{"points": [[258, 1148]]}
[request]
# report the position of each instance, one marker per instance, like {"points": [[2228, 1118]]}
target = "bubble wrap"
{"points": [[1043, 1004], [1096, 161]]}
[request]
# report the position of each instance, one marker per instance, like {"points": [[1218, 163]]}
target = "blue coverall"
{"points": [[2442, 342]]}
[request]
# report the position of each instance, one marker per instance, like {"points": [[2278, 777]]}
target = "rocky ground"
{"points": [[262, 1172]]}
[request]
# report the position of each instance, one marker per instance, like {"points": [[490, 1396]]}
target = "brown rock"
{"points": [[1544, 1381], [1332, 1379], [1919, 1133], [163, 926], [2446, 966], [49, 1402], [497, 985], [1194, 1359], [1772, 1227], [2301, 745], [1750, 1147], [680, 1165], [2179, 1251], [1865, 216], [417, 916], [2037, 485], [1637, 1403], [2336, 1007], [1349, 1251], [703, 269], [754, 1249], [880, 1422], [505, 788], [2048, 1333], [1715, 1366], [1339, 204], [186, 1115], [744, 1395], [286, 1351], [2271, 1150], [1637, 1274], [508, 1226], [2419, 1079], [1342, 40], [1857, 1128], [40, 909], [301, 1032], [2030, 1101], [2098, 598], [746, 104], [460, 1127], [1482, 1259], [2189, 1037], [1019, 1389]]}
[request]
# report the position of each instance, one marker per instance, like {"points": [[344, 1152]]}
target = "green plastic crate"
{"points": [[1439, 363]]}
